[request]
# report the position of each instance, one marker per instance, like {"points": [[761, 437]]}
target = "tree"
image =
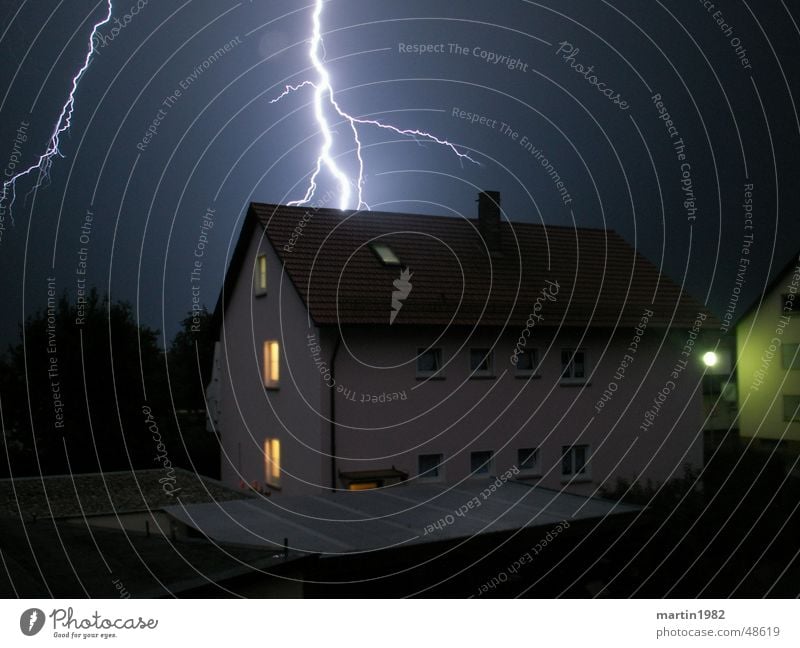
{"points": [[86, 390], [702, 536], [189, 361], [190, 358]]}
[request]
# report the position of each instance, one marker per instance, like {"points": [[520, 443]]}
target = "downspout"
{"points": [[333, 412]]}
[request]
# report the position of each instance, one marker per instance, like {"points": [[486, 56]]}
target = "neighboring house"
{"points": [[361, 349], [768, 364]]}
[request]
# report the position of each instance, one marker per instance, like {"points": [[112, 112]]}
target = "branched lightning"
{"points": [[64, 121], [290, 88], [323, 94]]}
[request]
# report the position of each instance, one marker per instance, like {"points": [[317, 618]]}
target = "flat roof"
{"points": [[392, 517], [64, 560], [127, 491]]}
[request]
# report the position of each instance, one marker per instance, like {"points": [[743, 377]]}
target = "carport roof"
{"points": [[392, 517]]}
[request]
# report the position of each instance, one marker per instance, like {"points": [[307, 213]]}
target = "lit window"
{"points": [[430, 466], [480, 462], [791, 408], [528, 460], [359, 486], [791, 356], [528, 363], [272, 364], [573, 365], [429, 361], [260, 277], [481, 362], [574, 460], [385, 254], [272, 462]]}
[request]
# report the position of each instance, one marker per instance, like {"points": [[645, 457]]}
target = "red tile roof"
{"points": [[602, 280]]}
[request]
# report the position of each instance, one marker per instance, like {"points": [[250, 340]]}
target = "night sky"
{"points": [[725, 75]]}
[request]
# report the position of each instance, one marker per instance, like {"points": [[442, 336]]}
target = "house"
{"points": [[768, 364], [365, 349]]}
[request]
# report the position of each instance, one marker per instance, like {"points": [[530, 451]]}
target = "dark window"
{"points": [[480, 462], [480, 361], [429, 361], [528, 361], [573, 460], [573, 364], [528, 459], [429, 465]]}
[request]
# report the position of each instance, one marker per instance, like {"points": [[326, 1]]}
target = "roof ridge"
{"points": [[340, 213]]}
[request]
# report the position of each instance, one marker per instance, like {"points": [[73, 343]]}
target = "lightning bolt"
{"points": [[324, 95], [32, 620], [62, 125]]}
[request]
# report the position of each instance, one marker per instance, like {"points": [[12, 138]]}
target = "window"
{"points": [[272, 462], [260, 277], [573, 365], [481, 362], [791, 408], [359, 486], [430, 466], [368, 479], [791, 356], [385, 254], [480, 462], [272, 364], [574, 461], [528, 460], [528, 363], [429, 361]]}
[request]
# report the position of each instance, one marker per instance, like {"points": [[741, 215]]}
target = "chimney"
{"points": [[489, 220]]}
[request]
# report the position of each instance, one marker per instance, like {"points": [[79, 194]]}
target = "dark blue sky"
{"points": [[221, 144]]}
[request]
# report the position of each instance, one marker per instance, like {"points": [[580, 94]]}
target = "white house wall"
{"points": [[249, 413]]}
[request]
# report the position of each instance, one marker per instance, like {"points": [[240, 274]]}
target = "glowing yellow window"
{"points": [[359, 486], [260, 278], [272, 462], [272, 364]]}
